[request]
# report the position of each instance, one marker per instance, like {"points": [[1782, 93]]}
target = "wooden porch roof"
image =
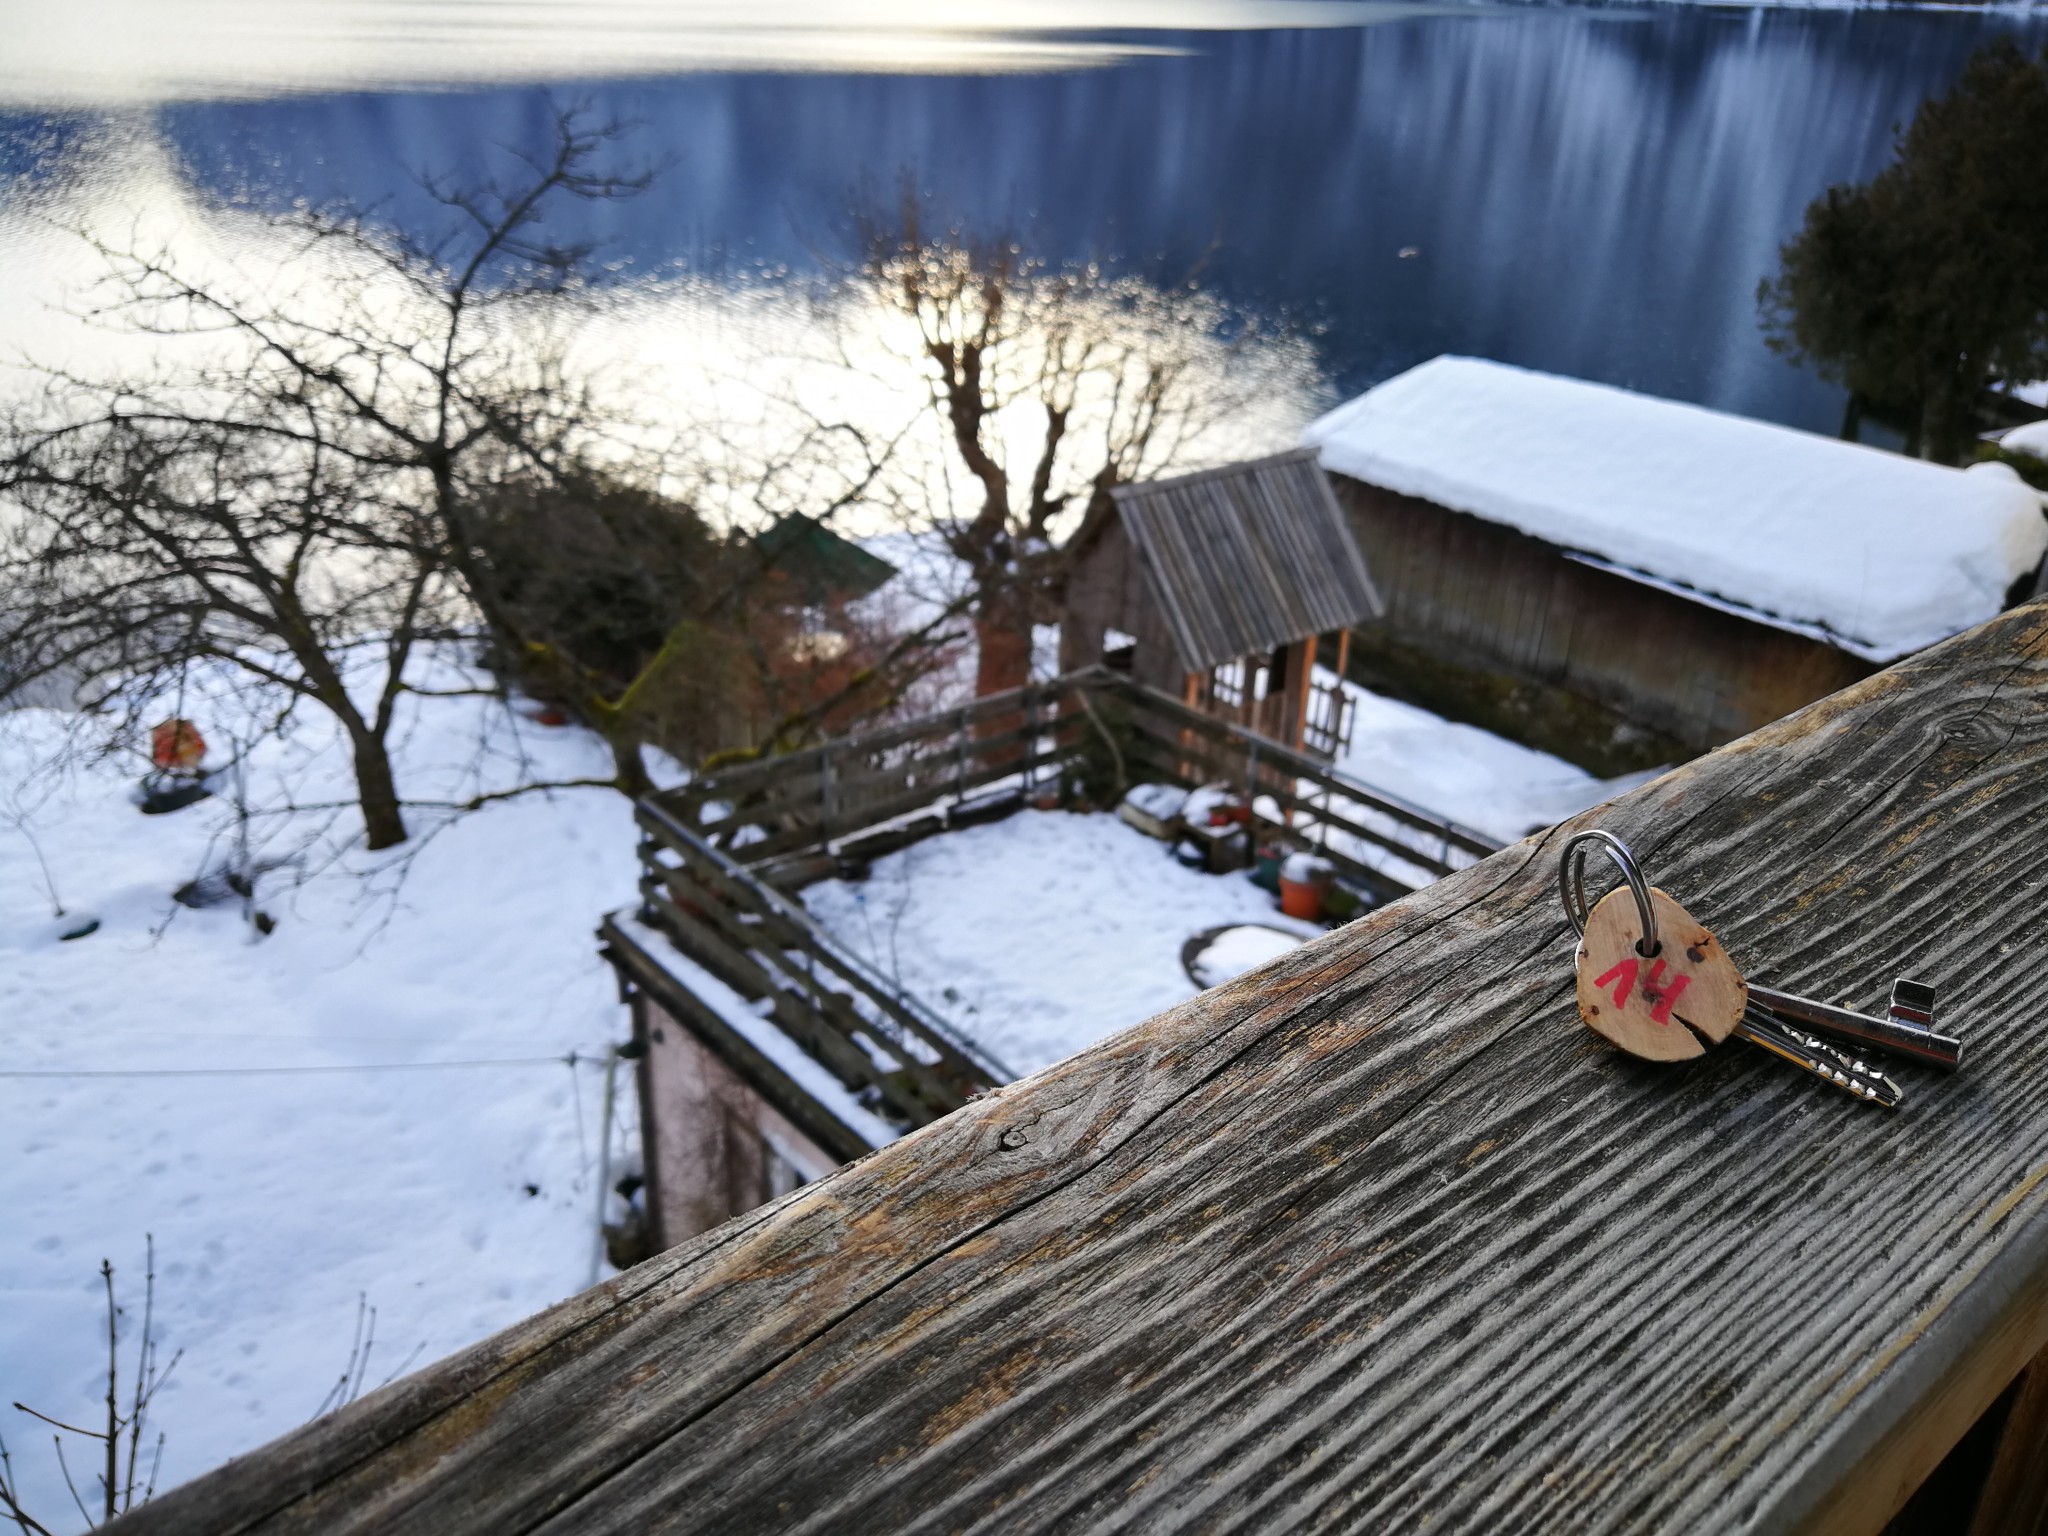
{"points": [[1249, 557]]}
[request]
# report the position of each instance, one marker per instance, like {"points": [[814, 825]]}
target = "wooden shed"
{"points": [[1215, 587], [1625, 581]]}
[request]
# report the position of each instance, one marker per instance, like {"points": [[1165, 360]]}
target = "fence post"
{"points": [[826, 795], [960, 730]]}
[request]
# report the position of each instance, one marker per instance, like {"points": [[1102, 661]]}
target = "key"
{"points": [[1762, 1027], [1653, 980], [1906, 1030]]}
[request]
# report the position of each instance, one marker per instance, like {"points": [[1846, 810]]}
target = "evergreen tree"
{"points": [[1925, 285]]}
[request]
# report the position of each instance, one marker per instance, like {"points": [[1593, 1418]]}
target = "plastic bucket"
{"points": [[1298, 898]]}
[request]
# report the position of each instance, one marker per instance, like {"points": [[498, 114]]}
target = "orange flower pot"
{"points": [[1298, 898]]}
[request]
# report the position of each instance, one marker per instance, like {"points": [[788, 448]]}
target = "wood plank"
{"points": [[859, 788], [1377, 1236], [740, 778], [1301, 766], [788, 923], [797, 1014], [2013, 1500], [805, 834], [757, 1070], [1167, 755]]}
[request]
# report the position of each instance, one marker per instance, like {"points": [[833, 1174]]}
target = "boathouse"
{"points": [[1625, 580], [1214, 587]]}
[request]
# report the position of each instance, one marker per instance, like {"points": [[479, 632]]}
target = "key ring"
{"points": [[1571, 884]]}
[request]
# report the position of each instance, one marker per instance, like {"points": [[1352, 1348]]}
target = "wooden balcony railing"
{"points": [[1377, 1237], [714, 853], [792, 818]]}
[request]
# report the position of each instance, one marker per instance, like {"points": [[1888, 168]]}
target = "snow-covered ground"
{"points": [[376, 1100], [1465, 774], [1041, 934], [299, 1119]]}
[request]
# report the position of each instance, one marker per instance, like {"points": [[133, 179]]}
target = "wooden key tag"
{"points": [[1666, 1006]]}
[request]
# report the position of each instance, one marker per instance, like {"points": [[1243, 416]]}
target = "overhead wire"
{"points": [[571, 1059]]}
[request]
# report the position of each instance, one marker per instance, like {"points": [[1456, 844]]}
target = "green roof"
{"points": [[823, 565]]}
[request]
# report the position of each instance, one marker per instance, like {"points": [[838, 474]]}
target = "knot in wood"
{"points": [[1015, 1137]]}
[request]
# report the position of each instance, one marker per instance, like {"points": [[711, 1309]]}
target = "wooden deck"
{"points": [[1376, 1238]]}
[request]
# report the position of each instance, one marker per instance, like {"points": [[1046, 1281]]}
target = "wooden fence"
{"points": [[1378, 1237], [718, 855], [876, 1038], [796, 818]]}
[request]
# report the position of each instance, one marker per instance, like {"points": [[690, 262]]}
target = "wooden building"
{"points": [[1215, 587], [1627, 581]]}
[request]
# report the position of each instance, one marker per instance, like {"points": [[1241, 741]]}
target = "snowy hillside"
{"points": [[304, 1118], [377, 1098]]}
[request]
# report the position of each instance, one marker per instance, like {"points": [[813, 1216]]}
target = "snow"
{"points": [[1237, 950], [2031, 438], [1465, 774], [1162, 802], [1883, 554], [1040, 934], [1305, 869], [277, 1197]]}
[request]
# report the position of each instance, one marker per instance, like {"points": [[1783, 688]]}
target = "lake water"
{"points": [[1595, 191]]}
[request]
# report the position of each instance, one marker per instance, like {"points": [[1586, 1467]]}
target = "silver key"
{"points": [[1906, 1030], [1850, 1073]]}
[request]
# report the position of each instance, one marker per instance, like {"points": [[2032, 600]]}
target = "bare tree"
{"points": [[125, 1480], [290, 487], [1047, 386]]}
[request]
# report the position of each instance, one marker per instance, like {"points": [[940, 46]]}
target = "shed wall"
{"points": [[715, 1147], [1658, 671], [1107, 589]]}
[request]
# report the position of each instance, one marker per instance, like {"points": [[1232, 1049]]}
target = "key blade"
{"points": [[1900, 1036], [1815, 1055]]}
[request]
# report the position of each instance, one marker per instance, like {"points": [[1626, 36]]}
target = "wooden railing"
{"points": [[794, 818], [902, 1061], [718, 854], [1377, 1237]]}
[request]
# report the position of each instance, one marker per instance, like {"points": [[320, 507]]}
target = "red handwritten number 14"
{"points": [[1662, 994]]}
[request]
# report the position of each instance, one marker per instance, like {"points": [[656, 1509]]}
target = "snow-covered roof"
{"points": [[1875, 553], [2031, 438]]}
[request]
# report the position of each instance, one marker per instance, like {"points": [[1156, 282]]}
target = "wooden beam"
{"points": [[2013, 1500]]}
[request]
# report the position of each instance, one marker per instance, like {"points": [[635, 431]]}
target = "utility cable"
{"points": [[359, 1066]]}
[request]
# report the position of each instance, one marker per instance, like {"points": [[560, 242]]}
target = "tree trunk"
{"points": [[1852, 419], [1002, 632], [377, 793], [1945, 425], [630, 766]]}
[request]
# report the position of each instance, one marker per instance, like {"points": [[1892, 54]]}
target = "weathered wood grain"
{"points": [[1378, 1237]]}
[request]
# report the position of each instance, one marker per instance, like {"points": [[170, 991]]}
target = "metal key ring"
{"points": [[1571, 884]]}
